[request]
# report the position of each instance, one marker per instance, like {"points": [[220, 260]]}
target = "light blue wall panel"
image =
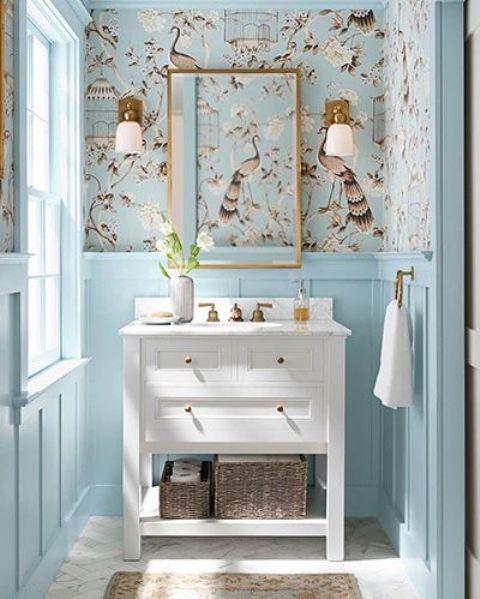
{"points": [[68, 410], [50, 453], [30, 501], [407, 476]]}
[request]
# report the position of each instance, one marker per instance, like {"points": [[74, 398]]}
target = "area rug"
{"points": [[137, 585]]}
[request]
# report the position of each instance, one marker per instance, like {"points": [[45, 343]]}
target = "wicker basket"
{"points": [[185, 500], [261, 489]]}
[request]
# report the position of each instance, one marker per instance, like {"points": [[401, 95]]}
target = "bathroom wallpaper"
{"points": [[408, 127], [340, 54], [6, 184]]}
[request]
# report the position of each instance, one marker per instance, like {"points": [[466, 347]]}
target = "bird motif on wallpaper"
{"points": [[289, 53], [359, 212], [364, 20], [229, 206], [179, 59]]}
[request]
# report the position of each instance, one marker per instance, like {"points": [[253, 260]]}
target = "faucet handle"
{"points": [[236, 313], [212, 313], [258, 315]]}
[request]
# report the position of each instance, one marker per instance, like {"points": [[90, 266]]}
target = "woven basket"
{"points": [[261, 490], [185, 500]]}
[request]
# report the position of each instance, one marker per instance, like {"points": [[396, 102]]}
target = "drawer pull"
{"points": [[280, 409], [188, 360], [281, 360], [188, 409]]}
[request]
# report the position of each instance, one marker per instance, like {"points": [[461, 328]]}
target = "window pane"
{"points": [[35, 344], [38, 151], [52, 241], [40, 78], [52, 313], [35, 237]]}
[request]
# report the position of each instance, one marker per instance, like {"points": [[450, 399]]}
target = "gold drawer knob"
{"points": [[281, 360], [188, 360], [280, 409], [188, 409]]}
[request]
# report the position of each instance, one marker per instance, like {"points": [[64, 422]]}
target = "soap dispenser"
{"points": [[301, 305]]}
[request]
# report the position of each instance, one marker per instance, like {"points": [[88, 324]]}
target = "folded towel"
{"points": [[394, 380], [185, 477], [187, 463]]}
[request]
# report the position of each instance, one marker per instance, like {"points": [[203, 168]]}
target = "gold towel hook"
{"points": [[399, 283]]}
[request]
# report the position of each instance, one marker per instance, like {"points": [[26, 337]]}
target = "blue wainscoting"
{"points": [[408, 473], [113, 282], [43, 456]]}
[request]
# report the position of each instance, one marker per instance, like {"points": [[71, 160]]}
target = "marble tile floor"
{"points": [[98, 554]]}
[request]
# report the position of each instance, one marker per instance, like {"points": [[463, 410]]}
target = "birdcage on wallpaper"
{"points": [[378, 129], [101, 113], [207, 127], [251, 29]]}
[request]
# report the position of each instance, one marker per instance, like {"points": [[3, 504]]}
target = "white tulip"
{"points": [[162, 246], [166, 228], [204, 241]]}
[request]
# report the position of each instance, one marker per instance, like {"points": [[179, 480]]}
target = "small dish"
{"points": [[158, 319]]}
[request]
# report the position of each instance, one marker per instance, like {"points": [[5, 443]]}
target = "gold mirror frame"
{"points": [[298, 183]]}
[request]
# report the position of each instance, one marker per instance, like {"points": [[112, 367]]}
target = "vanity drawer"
{"points": [[179, 417], [188, 360], [279, 359]]}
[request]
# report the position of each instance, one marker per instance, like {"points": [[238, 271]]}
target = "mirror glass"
{"points": [[234, 164]]}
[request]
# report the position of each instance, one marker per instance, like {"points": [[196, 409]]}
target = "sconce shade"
{"points": [[339, 140], [128, 138]]}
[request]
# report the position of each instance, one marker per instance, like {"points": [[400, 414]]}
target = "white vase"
{"points": [[181, 297]]}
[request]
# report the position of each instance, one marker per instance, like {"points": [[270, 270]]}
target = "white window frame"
{"points": [[62, 22], [44, 199]]}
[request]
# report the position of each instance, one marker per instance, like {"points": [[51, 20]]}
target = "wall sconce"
{"points": [[339, 134], [128, 138]]}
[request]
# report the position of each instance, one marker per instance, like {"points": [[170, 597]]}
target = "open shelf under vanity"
{"points": [[313, 525]]}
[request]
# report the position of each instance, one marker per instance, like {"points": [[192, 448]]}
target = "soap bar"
{"points": [[161, 314]]}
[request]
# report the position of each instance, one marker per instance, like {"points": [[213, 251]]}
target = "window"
{"points": [[44, 279]]}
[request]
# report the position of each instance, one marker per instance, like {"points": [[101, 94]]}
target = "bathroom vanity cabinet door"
{"points": [[188, 360], [182, 418], [280, 359]]}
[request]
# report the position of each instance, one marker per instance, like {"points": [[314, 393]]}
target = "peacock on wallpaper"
{"points": [[245, 184], [244, 153]]}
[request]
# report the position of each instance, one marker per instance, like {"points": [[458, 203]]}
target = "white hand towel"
{"points": [[394, 380]]}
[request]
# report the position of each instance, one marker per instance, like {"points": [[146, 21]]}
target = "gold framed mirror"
{"points": [[234, 164]]}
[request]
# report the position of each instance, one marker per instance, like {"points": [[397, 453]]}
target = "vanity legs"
{"points": [[336, 459], [132, 541]]}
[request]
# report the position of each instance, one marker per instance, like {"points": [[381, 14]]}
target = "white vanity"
{"points": [[242, 387]]}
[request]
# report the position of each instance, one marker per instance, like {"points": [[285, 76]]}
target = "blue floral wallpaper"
{"points": [[246, 176], [408, 128], [340, 55], [6, 184]]}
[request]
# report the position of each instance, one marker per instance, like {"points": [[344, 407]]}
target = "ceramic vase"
{"points": [[181, 297]]}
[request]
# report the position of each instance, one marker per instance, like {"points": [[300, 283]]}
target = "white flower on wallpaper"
{"points": [[336, 53], [339, 54], [152, 20], [274, 127]]}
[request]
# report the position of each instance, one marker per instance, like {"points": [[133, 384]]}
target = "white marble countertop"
{"points": [[325, 327]]}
